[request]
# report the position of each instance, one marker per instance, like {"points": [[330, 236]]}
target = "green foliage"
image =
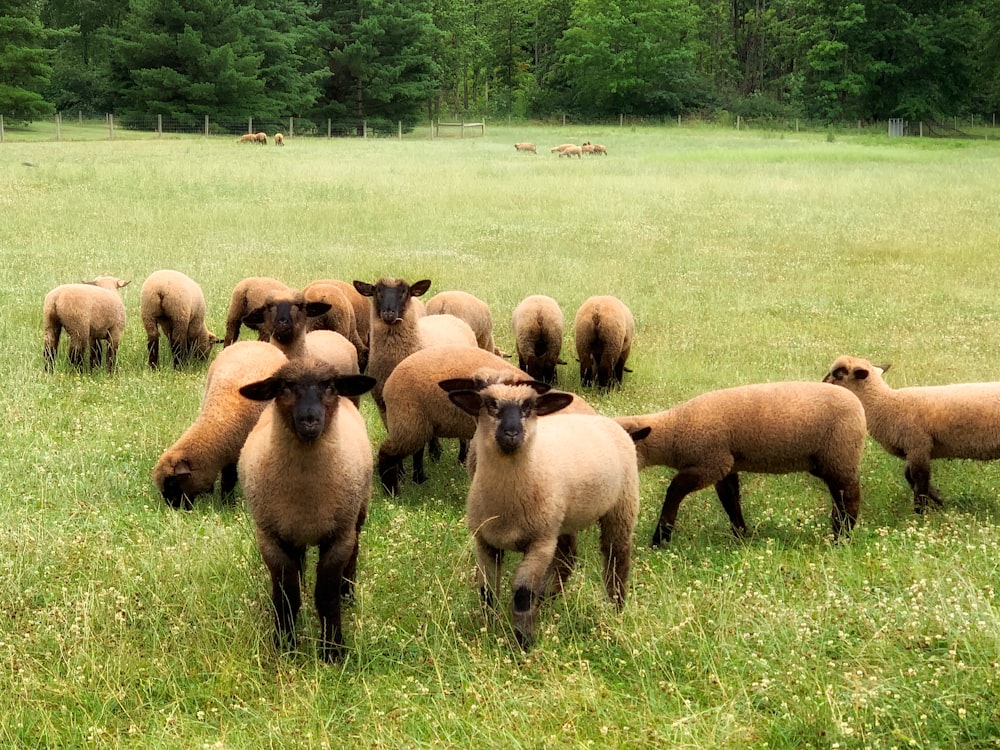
{"points": [[24, 62]]}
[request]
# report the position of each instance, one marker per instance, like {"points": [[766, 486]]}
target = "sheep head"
{"points": [[390, 296]]}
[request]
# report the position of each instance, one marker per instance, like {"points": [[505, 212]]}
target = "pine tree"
{"points": [[24, 62]]}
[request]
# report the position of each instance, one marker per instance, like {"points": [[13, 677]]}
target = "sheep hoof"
{"points": [[332, 653]]}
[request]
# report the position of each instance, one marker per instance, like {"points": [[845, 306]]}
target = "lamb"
{"points": [[537, 323], [397, 329], [306, 471], [261, 138], [921, 423], [770, 428], [525, 147], [604, 329], [538, 482], [561, 147], [248, 295], [91, 312], [469, 308], [211, 445], [570, 151], [340, 317], [279, 139], [360, 303], [173, 302]]}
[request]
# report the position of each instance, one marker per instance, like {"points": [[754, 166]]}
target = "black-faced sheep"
{"points": [[91, 312], [604, 330], [526, 147], [398, 328], [279, 139], [340, 317], [248, 295], [538, 482], [173, 302], [469, 308], [306, 471], [921, 423], [211, 445], [771, 428], [537, 323]]}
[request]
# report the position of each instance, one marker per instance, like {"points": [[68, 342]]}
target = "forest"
{"points": [[409, 60]]}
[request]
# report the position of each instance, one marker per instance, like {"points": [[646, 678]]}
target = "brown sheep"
{"points": [[526, 147], [248, 295], [173, 302], [279, 139], [261, 139], [91, 312], [341, 316], [604, 329]]}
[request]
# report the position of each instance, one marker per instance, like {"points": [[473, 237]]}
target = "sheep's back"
{"points": [[445, 330], [91, 309]]}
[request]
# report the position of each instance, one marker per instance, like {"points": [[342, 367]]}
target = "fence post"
{"points": [[291, 126], [329, 127], [399, 129], [249, 125], [79, 114], [159, 126], [58, 127], [111, 127], [739, 120], [1, 128], [206, 124], [364, 128]]}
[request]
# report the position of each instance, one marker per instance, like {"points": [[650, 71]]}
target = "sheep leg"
{"points": [[616, 550], [419, 476], [334, 557], [683, 484], [232, 331], [228, 481], [178, 349], [51, 346], [351, 568], [915, 477], [390, 471], [95, 354], [153, 351], [846, 504], [529, 584], [463, 450], [434, 448], [562, 563], [488, 562], [284, 563], [728, 490], [112, 355]]}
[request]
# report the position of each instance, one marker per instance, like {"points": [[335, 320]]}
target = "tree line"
{"points": [[409, 60]]}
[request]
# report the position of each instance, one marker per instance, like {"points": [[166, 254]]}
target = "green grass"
{"points": [[745, 256]]}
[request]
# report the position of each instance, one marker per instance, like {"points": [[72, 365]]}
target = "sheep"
{"points": [[211, 445], [525, 147], [570, 151], [593, 148], [306, 472], [340, 317], [248, 138], [921, 423], [91, 312], [360, 303], [769, 428], [537, 323], [261, 138], [538, 482], [561, 147], [248, 295], [472, 310], [397, 328], [173, 302], [279, 139], [604, 329]]}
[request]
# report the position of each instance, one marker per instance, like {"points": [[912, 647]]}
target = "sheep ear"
{"points": [[353, 385], [537, 385], [364, 288], [458, 384], [315, 309], [122, 283], [255, 317], [468, 401], [262, 390], [860, 373], [638, 433], [549, 403], [881, 368], [182, 469], [419, 287]]}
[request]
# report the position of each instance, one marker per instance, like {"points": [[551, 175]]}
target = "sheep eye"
{"points": [[491, 406]]}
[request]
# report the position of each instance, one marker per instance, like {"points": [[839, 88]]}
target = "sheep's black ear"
{"points": [[538, 385], [315, 309], [468, 401], [262, 390], [419, 287], [353, 385], [364, 288], [860, 373], [549, 403], [638, 433], [255, 317], [458, 384]]}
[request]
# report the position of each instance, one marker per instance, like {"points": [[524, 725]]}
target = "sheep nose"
{"points": [[389, 316]]}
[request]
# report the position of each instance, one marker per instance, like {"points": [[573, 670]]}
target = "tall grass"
{"points": [[745, 256]]}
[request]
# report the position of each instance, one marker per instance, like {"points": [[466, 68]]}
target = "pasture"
{"points": [[745, 257]]}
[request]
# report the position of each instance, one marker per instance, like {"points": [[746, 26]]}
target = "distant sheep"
{"points": [[772, 428], [921, 423], [91, 312], [561, 147], [525, 147], [537, 323], [341, 316], [538, 482], [306, 471], [261, 138], [594, 148], [248, 138], [211, 445], [248, 295], [571, 151], [279, 139], [469, 308], [173, 302], [604, 330]]}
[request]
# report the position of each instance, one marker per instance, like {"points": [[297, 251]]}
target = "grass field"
{"points": [[745, 257]]}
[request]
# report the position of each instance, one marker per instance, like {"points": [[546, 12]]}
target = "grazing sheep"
{"points": [[340, 317], [360, 303], [211, 445], [593, 148], [248, 295], [469, 308], [538, 482], [279, 139], [248, 138], [537, 324], [604, 329], [570, 151], [525, 147], [91, 312], [561, 147], [397, 329], [771, 428], [306, 471], [173, 302], [921, 423], [261, 138]]}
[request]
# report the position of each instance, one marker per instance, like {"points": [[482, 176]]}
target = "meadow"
{"points": [[745, 256]]}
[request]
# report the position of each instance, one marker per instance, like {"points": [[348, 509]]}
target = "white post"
{"points": [[58, 127], [399, 129], [249, 125], [1, 128], [159, 126], [329, 128], [206, 124], [291, 126], [739, 118], [111, 127]]}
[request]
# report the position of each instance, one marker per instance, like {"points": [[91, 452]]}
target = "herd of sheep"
{"points": [[280, 417], [568, 150], [261, 139]]}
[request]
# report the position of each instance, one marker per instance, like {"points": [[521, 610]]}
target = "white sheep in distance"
{"points": [[538, 482], [769, 428], [921, 423], [91, 312], [306, 471], [604, 330], [173, 302], [537, 323]]}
